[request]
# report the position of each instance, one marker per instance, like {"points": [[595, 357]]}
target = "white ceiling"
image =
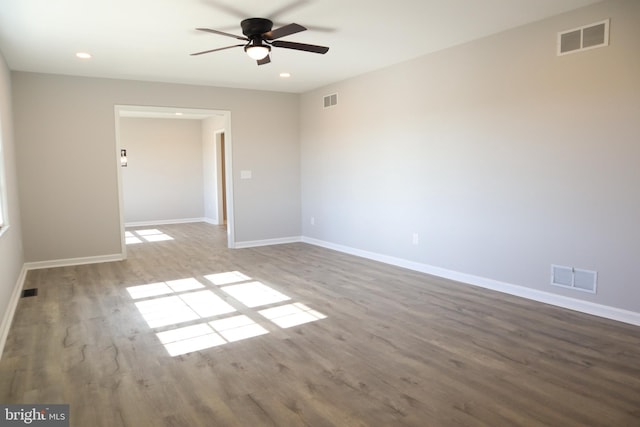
{"points": [[152, 39]]}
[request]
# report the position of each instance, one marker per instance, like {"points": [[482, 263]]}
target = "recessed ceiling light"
{"points": [[83, 55], [178, 114], [285, 75]]}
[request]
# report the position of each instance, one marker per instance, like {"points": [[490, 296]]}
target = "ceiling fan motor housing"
{"points": [[253, 27]]}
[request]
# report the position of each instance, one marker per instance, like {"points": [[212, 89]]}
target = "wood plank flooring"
{"points": [[397, 348]]}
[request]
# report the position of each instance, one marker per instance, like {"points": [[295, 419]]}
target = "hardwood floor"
{"points": [[397, 348]]}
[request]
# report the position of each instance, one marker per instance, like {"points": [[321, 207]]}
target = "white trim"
{"points": [[123, 241], [164, 222], [218, 143], [73, 261], [268, 242], [211, 221], [228, 169], [587, 307], [5, 326]]}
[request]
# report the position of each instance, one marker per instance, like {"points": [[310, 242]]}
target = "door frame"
{"points": [[170, 112], [221, 175]]}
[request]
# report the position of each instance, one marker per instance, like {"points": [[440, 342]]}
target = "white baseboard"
{"points": [[211, 221], [7, 319], [267, 242], [166, 222], [587, 307], [73, 261]]}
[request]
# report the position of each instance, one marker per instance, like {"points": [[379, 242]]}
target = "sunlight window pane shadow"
{"points": [[131, 240], [167, 304], [190, 338], [290, 315], [207, 304], [150, 290], [221, 279], [237, 328], [165, 311], [149, 235], [148, 232], [182, 285], [157, 238], [254, 294]]}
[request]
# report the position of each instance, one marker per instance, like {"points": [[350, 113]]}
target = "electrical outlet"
{"points": [[416, 239], [313, 220]]}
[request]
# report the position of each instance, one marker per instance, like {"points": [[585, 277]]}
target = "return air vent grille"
{"points": [[574, 278], [30, 292], [330, 100], [583, 38]]}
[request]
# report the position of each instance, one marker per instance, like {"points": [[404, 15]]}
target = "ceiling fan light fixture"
{"points": [[257, 52], [260, 35]]}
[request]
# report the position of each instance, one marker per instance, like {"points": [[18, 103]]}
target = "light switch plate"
{"points": [[245, 174]]}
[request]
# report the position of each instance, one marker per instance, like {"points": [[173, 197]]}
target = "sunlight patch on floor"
{"points": [[221, 279], [150, 290], [190, 338], [150, 235], [182, 285], [254, 294], [238, 328], [163, 288], [165, 311], [207, 304], [130, 238], [174, 302], [175, 309], [290, 315]]}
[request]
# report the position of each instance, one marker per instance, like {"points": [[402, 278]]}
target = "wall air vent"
{"points": [[584, 38], [574, 278], [331, 100]]}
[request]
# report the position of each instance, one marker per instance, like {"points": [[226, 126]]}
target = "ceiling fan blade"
{"points": [[226, 8], [301, 46], [264, 60], [209, 30], [287, 30], [215, 50], [287, 8]]}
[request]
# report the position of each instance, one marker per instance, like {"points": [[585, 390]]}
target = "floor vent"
{"points": [[574, 278], [30, 292], [584, 38], [331, 100]]}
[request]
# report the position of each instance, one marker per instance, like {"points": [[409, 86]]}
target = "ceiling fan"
{"points": [[260, 38]]}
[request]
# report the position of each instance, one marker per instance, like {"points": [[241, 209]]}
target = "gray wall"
{"points": [[503, 157], [163, 179], [11, 254], [67, 160]]}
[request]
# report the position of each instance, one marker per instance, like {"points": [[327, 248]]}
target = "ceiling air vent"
{"points": [[583, 38], [331, 100]]}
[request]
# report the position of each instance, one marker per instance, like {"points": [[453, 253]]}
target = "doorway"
{"points": [[216, 126]]}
